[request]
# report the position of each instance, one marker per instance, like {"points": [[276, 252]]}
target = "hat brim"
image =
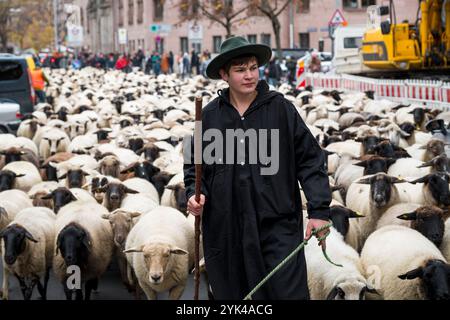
{"points": [[262, 53]]}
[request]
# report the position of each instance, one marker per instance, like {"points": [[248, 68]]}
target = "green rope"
{"points": [[292, 254]]}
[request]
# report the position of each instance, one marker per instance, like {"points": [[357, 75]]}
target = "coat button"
{"points": [[242, 140], [242, 163], [243, 118]]}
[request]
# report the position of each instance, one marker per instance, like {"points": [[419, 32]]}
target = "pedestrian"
{"points": [[156, 63], [274, 72], [315, 65], [186, 65], [171, 60], [194, 62], [251, 209], [39, 79], [122, 63], [165, 63]]}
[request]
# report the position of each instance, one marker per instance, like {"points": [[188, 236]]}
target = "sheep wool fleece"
{"points": [[251, 221]]}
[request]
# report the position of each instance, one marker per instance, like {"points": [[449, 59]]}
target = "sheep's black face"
{"points": [[436, 275], [75, 178], [369, 143], [442, 164], [376, 165], [115, 194], [74, 244], [62, 114], [408, 127], [12, 156], [61, 197], [438, 185], [51, 173], [14, 238], [160, 181], [381, 190], [146, 171], [125, 123], [136, 144], [385, 149], [7, 179], [159, 114], [370, 94], [419, 115], [432, 227], [305, 100], [102, 135], [151, 153]]}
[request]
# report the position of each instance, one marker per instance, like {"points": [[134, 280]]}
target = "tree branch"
{"points": [[283, 7]]}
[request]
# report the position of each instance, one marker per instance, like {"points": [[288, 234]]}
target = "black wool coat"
{"points": [[251, 221]]}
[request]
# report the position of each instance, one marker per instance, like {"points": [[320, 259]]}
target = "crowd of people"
{"points": [[184, 64]]}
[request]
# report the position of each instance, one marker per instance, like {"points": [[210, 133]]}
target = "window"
{"points": [[366, 3], [120, 13], [352, 42], [302, 6], [10, 70], [184, 45], [265, 39], [184, 8], [304, 40], [197, 47], [130, 12], [251, 38], [195, 6], [158, 6], [140, 8], [350, 4], [217, 41]]}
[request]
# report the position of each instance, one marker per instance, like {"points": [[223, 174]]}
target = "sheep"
{"points": [[439, 163], [23, 143], [327, 281], [11, 202], [17, 154], [114, 195], [84, 239], [122, 221], [28, 128], [435, 189], [53, 141], [40, 190], [445, 246], [143, 187], [22, 175], [49, 172], [28, 247], [370, 196], [161, 246], [110, 166], [428, 220], [340, 215], [425, 153], [408, 167], [138, 203], [405, 265], [174, 196], [352, 148]]}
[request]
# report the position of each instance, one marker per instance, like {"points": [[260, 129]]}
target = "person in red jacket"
{"points": [[122, 63]]}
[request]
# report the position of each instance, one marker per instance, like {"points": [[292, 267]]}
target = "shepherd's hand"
{"points": [[316, 224], [196, 208]]}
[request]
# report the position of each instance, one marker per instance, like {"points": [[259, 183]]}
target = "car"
{"points": [[9, 116], [15, 83], [326, 59]]}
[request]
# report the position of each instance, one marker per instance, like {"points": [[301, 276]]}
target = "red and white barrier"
{"points": [[432, 93]]}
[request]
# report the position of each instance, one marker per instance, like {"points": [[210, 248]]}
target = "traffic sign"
{"points": [[155, 28], [74, 35], [337, 19], [123, 36]]}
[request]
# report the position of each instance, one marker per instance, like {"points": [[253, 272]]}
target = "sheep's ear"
{"points": [[426, 164], [48, 196], [397, 180], [415, 273], [105, 216], [64, 176], [421, 180], [178, 251], [30, 237], [128, 190], [129, 168], [53, 164], [333, 293], [135, 214], [364, 181], [139, 249], [171, 187], [408, 216], [20, 175], [404, 134], [423, 147], [372, 290], [390, 161], [361, 164], [354, 214], [336, 188]]}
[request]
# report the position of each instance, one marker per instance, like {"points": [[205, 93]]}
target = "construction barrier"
{"points": [[432, 93]]}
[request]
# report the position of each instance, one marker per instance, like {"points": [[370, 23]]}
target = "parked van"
{"points": [[15, 83], [347, 45]]}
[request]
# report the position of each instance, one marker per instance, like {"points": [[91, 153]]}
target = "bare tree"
{"points": [[272, 9], [222, 12]]}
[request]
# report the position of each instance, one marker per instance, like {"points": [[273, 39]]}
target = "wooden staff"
{"points": [[198, 184]]}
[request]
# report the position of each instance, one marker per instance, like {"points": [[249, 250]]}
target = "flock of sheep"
{"points": [[96, 174]]}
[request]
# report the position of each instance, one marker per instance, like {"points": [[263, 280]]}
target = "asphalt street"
{"points": [[110, 288]]}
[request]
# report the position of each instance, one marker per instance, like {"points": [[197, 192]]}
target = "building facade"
{"points": [[155, 24]]}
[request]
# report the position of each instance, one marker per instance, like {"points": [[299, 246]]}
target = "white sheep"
{"points": [[144, 187], [371, 196], [407, 167], [327, 281], [27, 175], [11, 203], [33, 229], [160, 250], [405, 265], [53, 141], [82, 222]]}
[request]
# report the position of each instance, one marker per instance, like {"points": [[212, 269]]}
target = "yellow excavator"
{"points": [[400, 46]]}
